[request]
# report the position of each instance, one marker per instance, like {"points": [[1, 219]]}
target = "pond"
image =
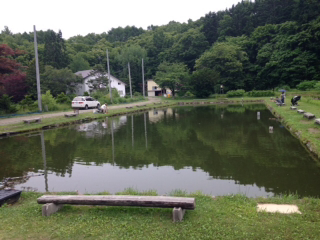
{"points": [[218, 150]]}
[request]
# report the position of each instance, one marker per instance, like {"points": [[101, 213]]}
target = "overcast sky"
{"points": [[97, 16]]}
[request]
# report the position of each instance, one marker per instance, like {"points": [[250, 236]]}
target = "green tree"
{"points": [[172, 76], [78, 63], [59, 80], [100, 80], [227, 59], [55, 53], [133, 54], [203, 82], [189, 47]]}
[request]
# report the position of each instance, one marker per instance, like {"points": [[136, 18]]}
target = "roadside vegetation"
{"points": [[227, 217]]}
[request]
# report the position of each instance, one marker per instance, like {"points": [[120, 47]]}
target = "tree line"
{"points": [[256, 45]]}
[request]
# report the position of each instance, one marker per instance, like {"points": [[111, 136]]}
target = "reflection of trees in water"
{"points": [[237, 147]]}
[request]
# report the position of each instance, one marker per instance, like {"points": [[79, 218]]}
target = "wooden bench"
{"points": [[71, 115], [317, 121], [54, 203], [293, 108], [28, 121], [301, 111], [128, 107]]}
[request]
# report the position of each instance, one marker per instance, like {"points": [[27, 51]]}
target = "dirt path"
{"points": [[8, 121]]}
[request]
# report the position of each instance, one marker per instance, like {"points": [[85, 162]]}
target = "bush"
{"points": [[285, 87], [27, 102], [306, 85], [189, 94], [236, 93], [254, 93], [86, 94], [62, 98], [137, 94], [6, 105], [203, 82], [317, 86], [48, 100]]}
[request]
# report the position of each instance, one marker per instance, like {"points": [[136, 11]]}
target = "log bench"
{"points": [[128, 107], [53, 203], [309, 115], [293, 108], [317, 121], [301, 111], [71, 115], [28, 121]]}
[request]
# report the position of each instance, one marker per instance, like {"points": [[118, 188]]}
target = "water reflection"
{"points": [[189, 148]]}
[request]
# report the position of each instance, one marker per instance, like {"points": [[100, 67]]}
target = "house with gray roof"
{"points": [[85, 86]]}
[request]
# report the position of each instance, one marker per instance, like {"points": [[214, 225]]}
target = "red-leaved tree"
{"points": [[12, 79]]}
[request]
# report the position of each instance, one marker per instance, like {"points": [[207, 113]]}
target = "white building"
{"points": [[85, 86]]}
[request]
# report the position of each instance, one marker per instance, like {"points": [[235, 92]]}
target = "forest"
{"points": [[254, 45]]}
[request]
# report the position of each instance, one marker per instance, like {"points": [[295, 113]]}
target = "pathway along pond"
{"points": [[218, 150]]}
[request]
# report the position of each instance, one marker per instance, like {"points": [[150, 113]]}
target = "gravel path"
{"points": [[14, 120]]}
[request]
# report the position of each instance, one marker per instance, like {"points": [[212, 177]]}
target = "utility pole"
{"points": [[109, 78], [143, 79], [130, 79], [37, 68]]}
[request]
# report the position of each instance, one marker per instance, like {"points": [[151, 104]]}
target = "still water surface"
{"points": [[214, 149]]}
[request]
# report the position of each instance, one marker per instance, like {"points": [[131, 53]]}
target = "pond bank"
{"points": [[305, 130], [227, 217], [48, 123]]}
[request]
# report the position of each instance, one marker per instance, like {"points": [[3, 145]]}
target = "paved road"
{"points": [[8, 121]]}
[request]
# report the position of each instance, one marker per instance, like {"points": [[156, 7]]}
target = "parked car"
{"points": [[85, 102]]}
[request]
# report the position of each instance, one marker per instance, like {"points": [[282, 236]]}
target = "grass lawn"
{"points": [[307, 130], [228, 217]]}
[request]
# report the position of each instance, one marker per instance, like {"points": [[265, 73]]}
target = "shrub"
{"points": [[48, 100], [236, 93], [189, 94], [285, 87], [62, 98], [254, 93], [27, 102], [115, 100], [6, 105], [86, 94], [317, 86], [306, 85], [137, 94]]}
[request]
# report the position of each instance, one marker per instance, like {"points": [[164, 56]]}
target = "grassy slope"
{"points": [[229, 217], [308, 131]]}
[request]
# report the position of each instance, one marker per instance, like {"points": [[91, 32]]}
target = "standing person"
{"points": [[283, 96]]}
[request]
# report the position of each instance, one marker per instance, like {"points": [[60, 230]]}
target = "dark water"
{"points": [[217, 150]]}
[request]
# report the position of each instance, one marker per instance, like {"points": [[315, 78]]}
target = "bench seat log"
{"points": [[32, 120], [118, 200], [71, 115], [53, 203]]}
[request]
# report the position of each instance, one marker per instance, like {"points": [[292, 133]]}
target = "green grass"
{"points": [[308, 131], [228, 217]]}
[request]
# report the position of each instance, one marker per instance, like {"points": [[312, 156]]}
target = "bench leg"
{"points": [[177, 214], [50, 208]]}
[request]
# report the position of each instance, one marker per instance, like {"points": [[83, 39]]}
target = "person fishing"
{"points": [[104, 108]]}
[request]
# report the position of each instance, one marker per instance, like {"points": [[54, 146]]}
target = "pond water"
{"points": [[218, 150]]}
